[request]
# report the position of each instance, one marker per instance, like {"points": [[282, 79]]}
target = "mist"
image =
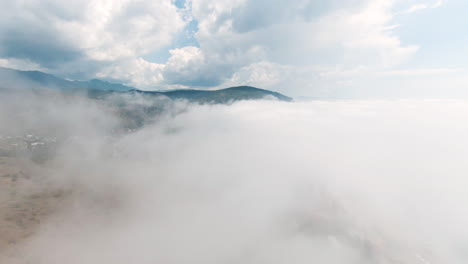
{"points": [[252, 182]]}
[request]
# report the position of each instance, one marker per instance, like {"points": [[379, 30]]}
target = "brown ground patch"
{"points": [[25, 200]]}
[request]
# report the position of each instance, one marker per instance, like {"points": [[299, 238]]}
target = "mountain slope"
{"points": [[37, 79], [226, 95]]}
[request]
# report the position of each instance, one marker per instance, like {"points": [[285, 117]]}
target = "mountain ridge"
{"points": [[40, 79], [96, 88]]}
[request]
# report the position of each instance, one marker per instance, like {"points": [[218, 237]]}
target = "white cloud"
{"points": [[415, 8], [187, 66], [260, 74], [186, 62], [113, 29], [136, 72], [421, 6], [20, 64], [293, 36]]}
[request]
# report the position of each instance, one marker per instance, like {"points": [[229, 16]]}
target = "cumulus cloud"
{"points": [[107, 39], [254, 182], [137, 72], [305, 36], [262, 74], [55, 34]]}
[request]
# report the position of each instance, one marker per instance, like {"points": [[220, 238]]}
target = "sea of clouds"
{"points": [[252, 182]]}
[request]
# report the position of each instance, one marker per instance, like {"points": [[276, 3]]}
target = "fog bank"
{"points": [[252, 182]]}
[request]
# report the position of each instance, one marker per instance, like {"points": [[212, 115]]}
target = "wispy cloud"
{"points": [[423, 72], [421, 6]]}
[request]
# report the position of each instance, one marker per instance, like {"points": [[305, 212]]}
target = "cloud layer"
{"points": [[254, 182]]}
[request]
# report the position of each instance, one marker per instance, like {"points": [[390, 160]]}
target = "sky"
{"points": [[310, 48]]}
